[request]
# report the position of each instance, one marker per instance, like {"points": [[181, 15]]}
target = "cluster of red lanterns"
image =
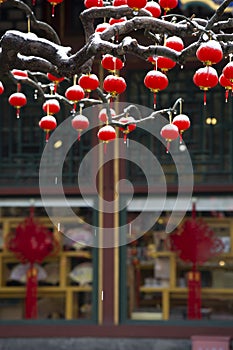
{"points": [[175, 129]]}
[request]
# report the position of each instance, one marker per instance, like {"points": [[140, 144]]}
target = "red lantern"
{"points": [[175, 43], [182, 122], [114, 85], [80, 123], [107, 133], [168, 5], [129, 127], [111, 63], [103, 117], [88, 82], [74, 94], [117, 20], [47, 123], [165, 63], [55, 80], [51, 106], [228, 71], [169, 132], [19, 74], [119, 2], [1, 88], [155, 81], [210, 52], [154, 8], [227, 84], [54, 3], [93, 3], [101, 27], [205, 78], [17, 100], [136, 5]]}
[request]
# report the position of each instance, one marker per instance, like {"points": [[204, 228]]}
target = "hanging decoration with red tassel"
{"points": [[31, 243]]}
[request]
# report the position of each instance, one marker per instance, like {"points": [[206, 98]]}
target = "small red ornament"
{"points": [[206, 78], [165, 63], [74, 94], [111, 63], [93, 3], [119, 2], [155, 81], [80, 123], [129, 127], [117, 20], [103, 117], [101, 27], [54, 3], [1, 88], [136, 5], [106, 133], [175, 43], [114, 85], [228, 71], [169, 132], [17, 100], [19, 74], [182, 122], [47, 123], [168, 5], [227, 84], [51, 106], [154, 8], [55, 80], [88, 82], [210, 52]]}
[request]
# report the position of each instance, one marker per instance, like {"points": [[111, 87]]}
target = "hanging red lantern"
{"points": [[165, 63], [175, 43], [182, 122], [93, 3], [19, 74], [103, 117], [54, 3], [17, 100], [80, 123], [114, 85], [106, 133], [228, 71], [168, 5], [227, 84], [111, 63], [155, 81], [206, 78], [210, 52], [169, 132], [52, 106], [119, 2], [89, 82], [74, 94], [117, 20], [130, 127], [136, 5], [55, 79], [101, 27], [1, 88], [154, 8], [47, 123]]}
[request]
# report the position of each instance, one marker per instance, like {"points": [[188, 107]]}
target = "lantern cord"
{"points": [[125, 138], [105, 147], [204, 98], [18, 87], [154, 101], [17, 112], [74, 107], [181, 138], [168, 147], [79, 135], [53, 10], [226, 95], [47, 136]]}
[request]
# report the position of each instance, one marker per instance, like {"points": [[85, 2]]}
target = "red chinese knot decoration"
{"points": [[31, 243]]}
